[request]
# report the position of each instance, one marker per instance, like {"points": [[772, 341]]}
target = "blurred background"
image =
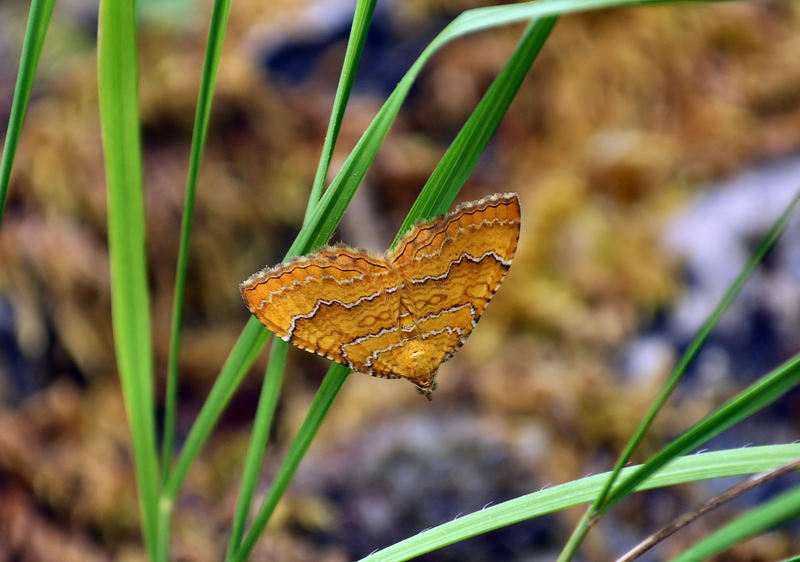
{"points": [[651, 148]]}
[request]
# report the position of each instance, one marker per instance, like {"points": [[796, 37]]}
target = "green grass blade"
{"points": [[492, 16], [776, 511], [691, 352], [38, 21], [719, 464], [130, 307], [355, 46], [244, 352], [328, 390], [759, 395], [258, 441], [216, 37]]}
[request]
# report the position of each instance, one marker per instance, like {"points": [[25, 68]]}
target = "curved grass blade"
{"points": [[38, 21], [130, 307], [704, 466]]}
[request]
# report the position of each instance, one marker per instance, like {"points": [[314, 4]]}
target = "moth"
{"points": [[400, 314]]}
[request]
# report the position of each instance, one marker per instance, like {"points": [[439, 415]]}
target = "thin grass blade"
{"points": [[265, 413], [244, 352], [38, 22], [464, 152], [328, 390], [130, 306], [362, 18]]}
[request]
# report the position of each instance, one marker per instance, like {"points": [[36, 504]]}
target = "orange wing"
{"points": [[450, 267], [399, 315], [326, 300], [459, 260]]}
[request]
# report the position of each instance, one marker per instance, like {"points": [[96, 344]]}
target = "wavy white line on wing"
{"points": [[322, 302], [460, 259]]}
